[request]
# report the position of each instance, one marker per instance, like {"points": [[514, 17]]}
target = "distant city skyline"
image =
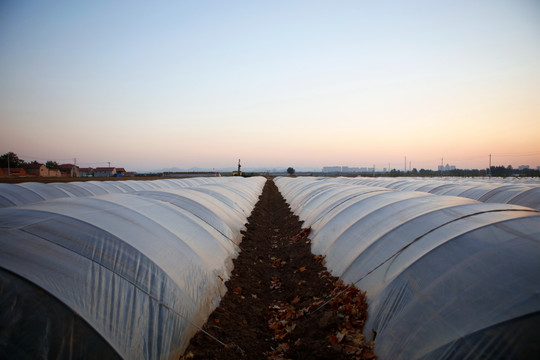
{"points": [[496, 160], [305, 84]]}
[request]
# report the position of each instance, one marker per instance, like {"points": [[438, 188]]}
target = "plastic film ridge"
{"points": [[141, 264], [446, 276]]}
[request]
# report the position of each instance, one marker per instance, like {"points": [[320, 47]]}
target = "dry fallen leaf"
{"points": [[302, 311], [296, 300], [302, 235], [278, 262], [237, 290], [276, 283], [333, 339]]}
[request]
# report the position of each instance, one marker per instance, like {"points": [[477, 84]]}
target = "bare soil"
{"points": [[281, 302]]}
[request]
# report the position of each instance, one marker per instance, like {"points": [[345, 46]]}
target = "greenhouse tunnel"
{"points": [[524, 192], [446, 277], [126, 269]]}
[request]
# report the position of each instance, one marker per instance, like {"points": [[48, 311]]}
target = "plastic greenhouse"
{"points": [[125, 269], [446, 277], [524, 192]]}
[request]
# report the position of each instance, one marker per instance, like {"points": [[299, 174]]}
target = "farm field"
{"points": [[290, 267]]}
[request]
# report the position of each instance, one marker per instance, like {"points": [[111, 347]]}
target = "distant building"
{"points": [[69, 170], [447, 167], [14, 172], [54, 173], [120, 172], [86, 172], [37, 169], [331, 169], [104, 172], [523, 167], [40, 170], [346, 169]]}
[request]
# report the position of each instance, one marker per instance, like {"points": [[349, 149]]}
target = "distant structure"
{"points": [[104, 171], [523, 167], [86, 172], [331, 169], [346, 169], [447, 167], [237, 173], [69, 170], [37, 169]]}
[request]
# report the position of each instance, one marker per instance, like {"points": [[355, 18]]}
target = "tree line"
{"points": [[13, 161], [496, 171]]}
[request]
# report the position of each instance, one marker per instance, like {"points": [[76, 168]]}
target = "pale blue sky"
{"points": [[277, 83]]}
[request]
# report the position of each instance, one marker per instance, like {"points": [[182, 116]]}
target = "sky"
{"points": [[147, 85]]}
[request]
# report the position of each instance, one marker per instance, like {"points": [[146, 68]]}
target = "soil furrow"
{"points": [[275, 285]]}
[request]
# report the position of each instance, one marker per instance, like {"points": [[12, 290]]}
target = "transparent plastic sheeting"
{"points": [[140, 263], [445, 277], [32, 192], [524, 192]]}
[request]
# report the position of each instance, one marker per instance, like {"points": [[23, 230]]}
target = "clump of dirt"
{"points": [[281, 302]]}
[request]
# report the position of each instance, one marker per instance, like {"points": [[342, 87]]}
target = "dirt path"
{"points": [[269, 311]]}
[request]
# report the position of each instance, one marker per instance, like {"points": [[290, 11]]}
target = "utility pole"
{"points": [[74, 166], [489, 170], [239, 166], [405, 164]]}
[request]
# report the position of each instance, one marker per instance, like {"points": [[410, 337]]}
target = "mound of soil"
{"points": [[281, 302]]}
